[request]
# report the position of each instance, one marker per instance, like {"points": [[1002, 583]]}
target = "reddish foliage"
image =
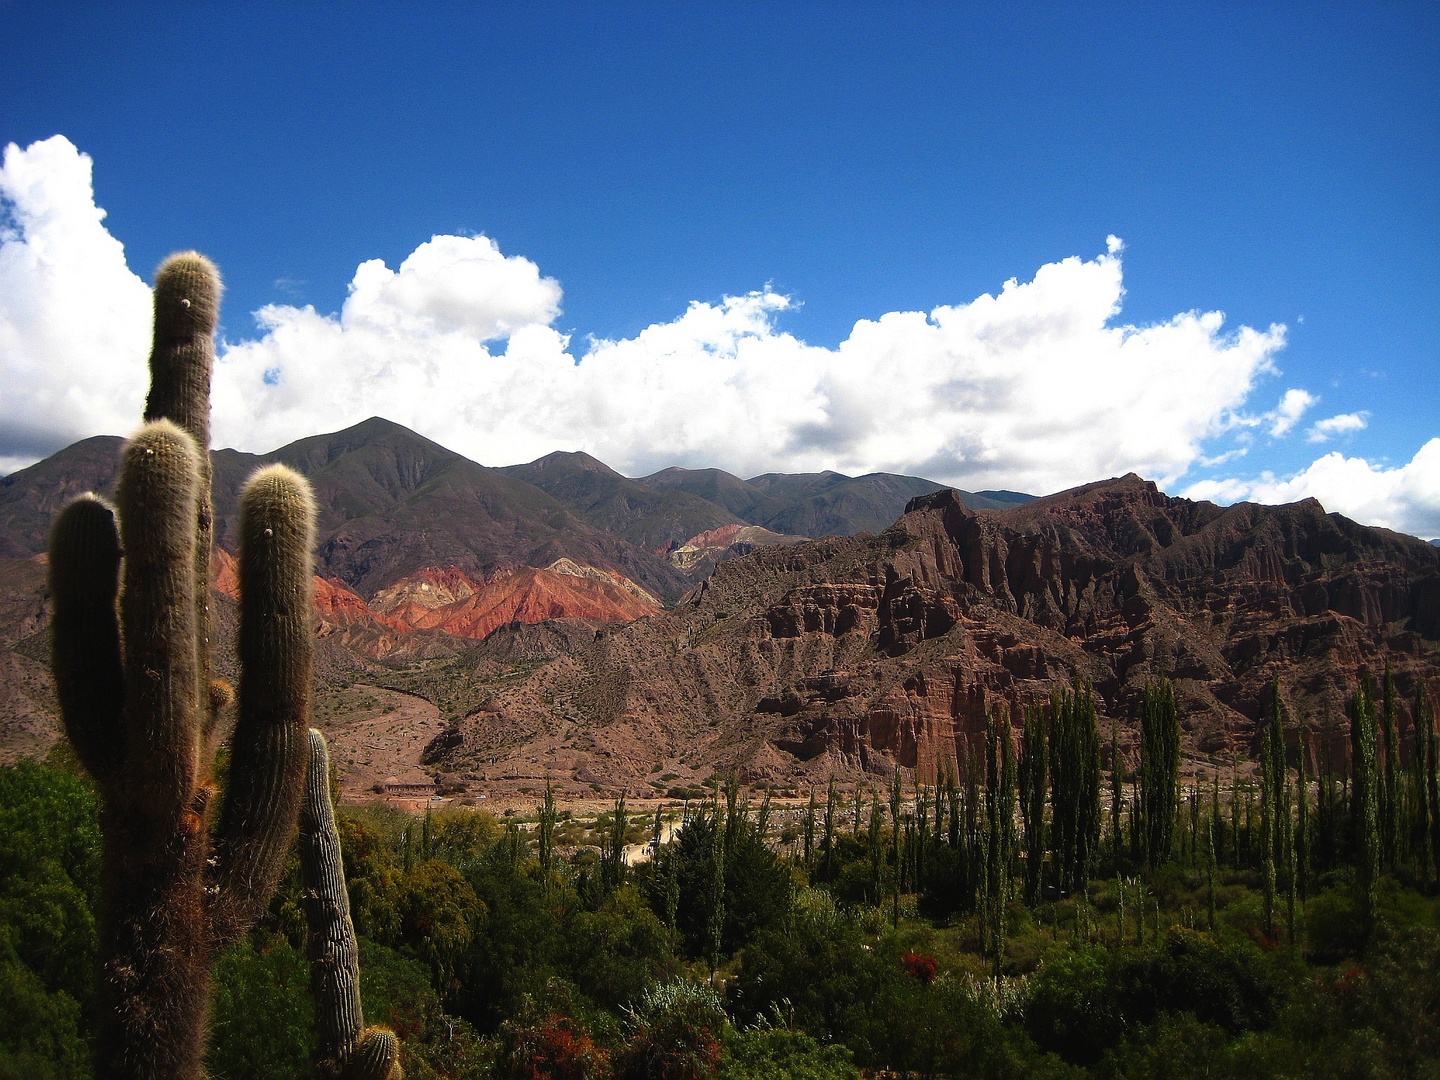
{"points": [[550, 1050], [921, 966]]}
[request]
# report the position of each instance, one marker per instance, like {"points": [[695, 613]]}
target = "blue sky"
{"points": [[1274, 162]]}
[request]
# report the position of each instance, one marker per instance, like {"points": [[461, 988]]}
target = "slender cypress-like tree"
{"points": [[897, 840], [810, 834], [1281, 855], [1388, 802], [876, 843], [1432, 774], [974, 830], [715, 906], [1089, 817], [1235, 812], [1217, 823], [546, 832], [1010, 844], [1364, 816], [828, 845], [1302, 817], [1327, 814], [612, 847], [1117, 792], [993, 919], [1419, 789], [1033, 773], [1268, 813], [1160, 770]]}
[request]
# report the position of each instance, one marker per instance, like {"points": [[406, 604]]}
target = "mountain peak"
{"points": [[571, 461]]}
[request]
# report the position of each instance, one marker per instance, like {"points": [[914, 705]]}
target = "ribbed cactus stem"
{"points": [[85, 633], [182, 358], [376, 1057], [187, 310], [139, 706], [269, 748], [159, 475], [344, 1046]]}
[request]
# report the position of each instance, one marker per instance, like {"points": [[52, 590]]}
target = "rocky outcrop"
{"points": [[697, 556], [530, 596], [410, 618], [854, 655]]}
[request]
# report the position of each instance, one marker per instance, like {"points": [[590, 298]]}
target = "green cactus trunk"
{"points": [[132, 675], [344, 1046]]}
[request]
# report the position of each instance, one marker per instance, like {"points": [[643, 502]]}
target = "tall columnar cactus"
{"points": [[131, 657], [345, 1047]]}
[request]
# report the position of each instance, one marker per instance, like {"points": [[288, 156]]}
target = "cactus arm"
{"points": [[156, 494], [85, 633], [345, 1048], [270, 745], [182, 358]]}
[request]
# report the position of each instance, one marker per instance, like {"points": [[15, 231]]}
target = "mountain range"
{"points": [[559, 620], [393, 503]]}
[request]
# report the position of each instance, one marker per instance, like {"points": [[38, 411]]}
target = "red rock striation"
{"points": [[531, 596], [448, 601]]}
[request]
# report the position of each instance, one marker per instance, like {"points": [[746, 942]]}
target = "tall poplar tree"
{"points": [[1064, 787], [1388, 803], [1425, 718], [1268, 814], [1160, 770], [897, 840], [1088, 737], [1033, 774], [1117, 792], [810, 834], [1302, 817], [1280, 855], [1364, 813]]}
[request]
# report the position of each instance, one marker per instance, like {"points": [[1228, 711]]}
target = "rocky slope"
{"points": [[853, 655]]}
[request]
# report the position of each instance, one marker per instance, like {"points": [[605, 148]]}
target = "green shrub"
{"points": [[41, 1036], [778, 1054], [675, 1032], [261, 1015]]}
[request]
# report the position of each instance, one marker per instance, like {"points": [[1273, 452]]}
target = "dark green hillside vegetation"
{"points": [[899, 930]]}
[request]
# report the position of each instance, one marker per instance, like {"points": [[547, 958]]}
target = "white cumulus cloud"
{"points": [[1038, 386], [1344, 424], [1287, 414], [74, 320], [1405, 498]]}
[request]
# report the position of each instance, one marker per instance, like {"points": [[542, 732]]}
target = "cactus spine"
{"points": [[345, 1047], [132, 673]]}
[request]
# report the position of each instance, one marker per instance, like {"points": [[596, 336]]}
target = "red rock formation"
{"points": [[531, 596], [701, 552], [852, 656]]}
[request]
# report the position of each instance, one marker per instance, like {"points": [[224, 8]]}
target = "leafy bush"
{"points": [[551, 1049], [675, 1032], [615, 952], [261, 1016], [49, 882], [1084, 1002], [778, 1054]]}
